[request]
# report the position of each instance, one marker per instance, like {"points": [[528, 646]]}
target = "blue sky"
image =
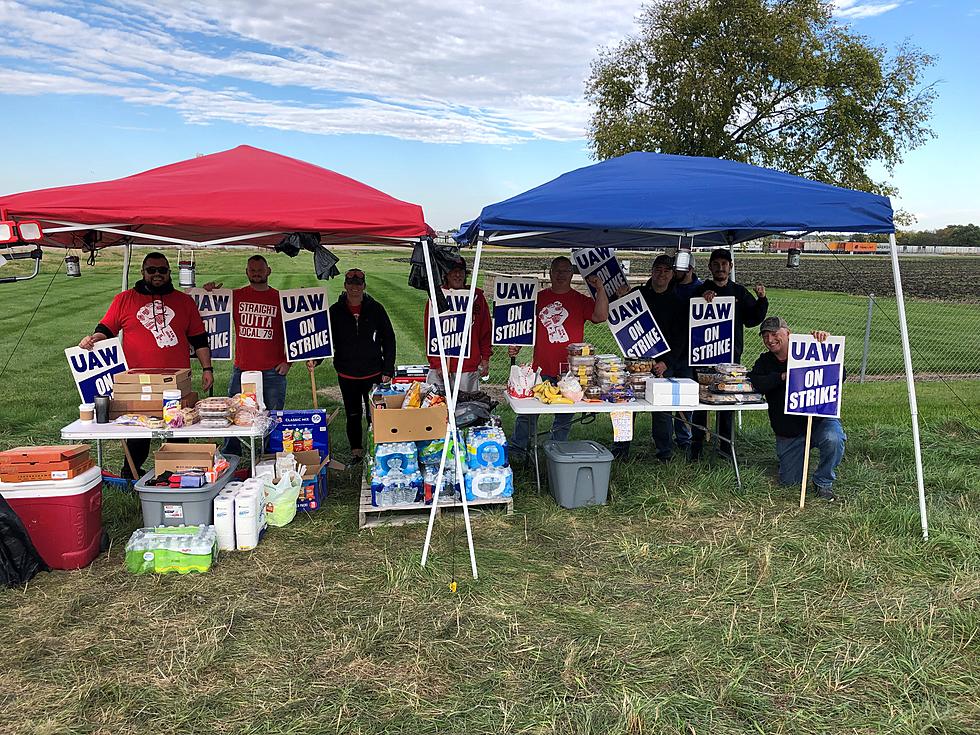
{"points": [[452, 106]]}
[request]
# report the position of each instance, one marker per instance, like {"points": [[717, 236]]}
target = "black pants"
{"points": [[357, 396], [726, 425]]}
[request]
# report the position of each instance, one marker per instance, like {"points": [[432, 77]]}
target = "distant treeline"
{"points": [[950, 236]]}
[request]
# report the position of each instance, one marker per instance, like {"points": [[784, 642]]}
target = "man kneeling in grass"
{"points": [[769, 378]]}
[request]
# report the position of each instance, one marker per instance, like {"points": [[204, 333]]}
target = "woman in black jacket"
{"points": [[364, 352]]}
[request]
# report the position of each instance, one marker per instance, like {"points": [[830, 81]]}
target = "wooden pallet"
{"points": [[370, 516]]}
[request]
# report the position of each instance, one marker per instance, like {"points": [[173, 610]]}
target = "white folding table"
{"points": [[532, 406], [77, 431]]}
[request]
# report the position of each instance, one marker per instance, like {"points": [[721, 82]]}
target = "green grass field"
{"points": [[684, 606]]}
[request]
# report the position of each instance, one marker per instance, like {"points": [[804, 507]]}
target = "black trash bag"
{"points": [[294, 242], [325, 264], [444, 258], [19, 560], [473, 409]]}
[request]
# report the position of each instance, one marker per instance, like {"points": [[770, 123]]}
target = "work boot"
{"points": [[825, 493]]}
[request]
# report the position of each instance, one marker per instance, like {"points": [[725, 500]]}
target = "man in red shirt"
{"points": [[160, 326], [478, 363], [562, 312], [259, 342]]}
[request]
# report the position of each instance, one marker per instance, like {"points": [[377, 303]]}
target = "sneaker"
{"points": [[825, 493], [694, 453]]}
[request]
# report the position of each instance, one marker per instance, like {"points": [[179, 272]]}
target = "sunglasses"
{"points": [[354, 280], [154, 269]]}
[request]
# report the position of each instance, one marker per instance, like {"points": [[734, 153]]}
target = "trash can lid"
{"points": [[577, 451]]}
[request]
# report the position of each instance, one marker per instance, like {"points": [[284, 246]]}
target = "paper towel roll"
{"points": [[224, 520], [247, 519]]}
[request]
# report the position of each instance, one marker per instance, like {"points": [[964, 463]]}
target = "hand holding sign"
{"points": [[306, 324], [514, 304], [602, 264], [711, 323], [93, 367], [634, 328]]}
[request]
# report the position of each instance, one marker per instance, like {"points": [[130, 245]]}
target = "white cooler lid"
{"points": [[53, 488]]}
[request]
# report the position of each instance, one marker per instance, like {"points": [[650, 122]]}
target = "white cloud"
{"points": [[468, 72], [861, 9]]}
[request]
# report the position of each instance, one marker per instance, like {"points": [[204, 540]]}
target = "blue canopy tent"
{"points": [[652, 200]]}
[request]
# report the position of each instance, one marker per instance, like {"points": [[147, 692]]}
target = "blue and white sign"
{"points": [[814, 374], [306, 324], [93, 369], [636, 331], [215, 307], [600, 262], [452, 323], [712, 330], [514, 304]]}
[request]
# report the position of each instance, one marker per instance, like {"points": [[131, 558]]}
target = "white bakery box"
{"points": [[672, 392]]}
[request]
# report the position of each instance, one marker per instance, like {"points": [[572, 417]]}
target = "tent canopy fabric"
{"points": [[651, 199], [238, 192]]}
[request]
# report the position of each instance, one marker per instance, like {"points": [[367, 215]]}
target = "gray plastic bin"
{"points": [[578, 472], [163, 506]]}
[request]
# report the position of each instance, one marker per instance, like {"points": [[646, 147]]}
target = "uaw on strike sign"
{"points": [[712, 328], [635, 329], [514, 302], [215, 308], [452, 323], [306, 324], [93, 369], [814, 374], [600, 262]]}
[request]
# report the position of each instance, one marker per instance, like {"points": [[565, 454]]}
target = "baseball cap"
{"points": [[457, 265], [772, 324], [663, 260], [721, 254]]}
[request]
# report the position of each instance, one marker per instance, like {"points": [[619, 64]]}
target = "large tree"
{"points": [[778, 83]]}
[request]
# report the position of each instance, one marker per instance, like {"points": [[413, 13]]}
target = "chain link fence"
{"points": [[845, 295]]}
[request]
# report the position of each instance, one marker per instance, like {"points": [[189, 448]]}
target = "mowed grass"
{"points": [[686, 605]]}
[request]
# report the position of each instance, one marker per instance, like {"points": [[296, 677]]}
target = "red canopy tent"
{"points": [[240, 196]]}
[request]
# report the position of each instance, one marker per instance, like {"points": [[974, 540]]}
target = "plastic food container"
{"points": [[593, 393], [581, 361], [639, 364], [580, 349]]}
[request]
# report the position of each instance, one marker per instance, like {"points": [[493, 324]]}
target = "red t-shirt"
{"points": [[354, 310], [259, 342], [155, 328], [560, 320]]}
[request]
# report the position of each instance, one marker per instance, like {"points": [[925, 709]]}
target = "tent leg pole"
{"points": [[127, 257], [910, 382]]}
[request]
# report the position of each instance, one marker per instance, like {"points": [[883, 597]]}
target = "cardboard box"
{"points": [[55, 453], [166, 378], [148, 407], [133, 391], [303, 430], [172, 457], [409, 424], [42, 472], [682, 392], [314, 489]]}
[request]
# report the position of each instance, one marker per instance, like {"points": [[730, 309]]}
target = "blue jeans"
{"points": [[828, 437], [273, 393], [527, 424]]}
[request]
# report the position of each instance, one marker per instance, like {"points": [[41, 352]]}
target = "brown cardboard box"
{"points": [[166, 378], [132, 391], [181, 457], [409, 424], [149, 407]]}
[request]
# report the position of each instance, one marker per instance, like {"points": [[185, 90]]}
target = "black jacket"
{"points": [[670, 311], [767, 378], [363, 347], [749, 311]]}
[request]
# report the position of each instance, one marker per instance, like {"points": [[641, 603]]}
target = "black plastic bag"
{"points": [[325, 264], [294, 242], [473, 409], [444, 258], [19, 560]]}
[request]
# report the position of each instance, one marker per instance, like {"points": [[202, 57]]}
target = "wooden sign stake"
{"points": [[806, 460]]}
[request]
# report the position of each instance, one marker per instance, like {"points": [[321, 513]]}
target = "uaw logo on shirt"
{"points": [[553, 318], [156, 317]]}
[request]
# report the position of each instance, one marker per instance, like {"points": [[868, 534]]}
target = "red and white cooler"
{"points": [[63, 517]]}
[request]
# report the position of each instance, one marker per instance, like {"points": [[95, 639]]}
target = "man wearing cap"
{"points": [[670, 314], [768, 375], [478, 363], [749, 311], [160, 326], [686, 282], [259, 342]]}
